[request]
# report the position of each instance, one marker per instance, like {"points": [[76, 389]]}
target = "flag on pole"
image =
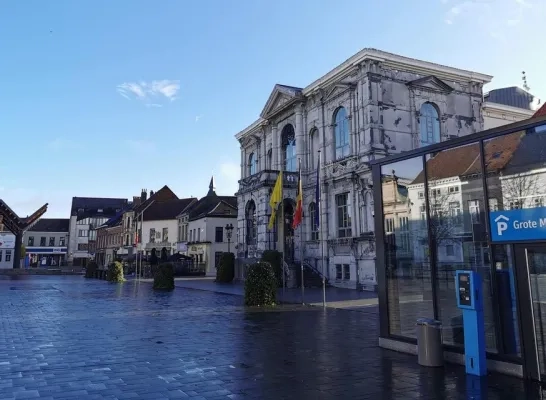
{"points": [[317, 194], [276, 198], [298, 214]]}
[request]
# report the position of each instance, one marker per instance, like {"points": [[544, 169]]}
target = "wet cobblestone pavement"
{"points": [[71, 338]]}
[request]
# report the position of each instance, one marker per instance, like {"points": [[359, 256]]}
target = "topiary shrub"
{"points": [[164, 277], [260, 285], [226, 269], [274, 258], [91, 270], [115, 272]]}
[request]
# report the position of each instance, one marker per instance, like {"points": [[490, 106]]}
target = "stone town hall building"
{"points": [[373, 104]]}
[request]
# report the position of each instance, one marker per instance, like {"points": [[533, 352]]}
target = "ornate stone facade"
{"points": [[372, 105]]}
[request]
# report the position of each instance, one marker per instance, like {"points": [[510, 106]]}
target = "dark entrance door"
{"points": [[288, 231], [531, 278]]}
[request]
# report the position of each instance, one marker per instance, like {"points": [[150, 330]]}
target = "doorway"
{"points": [[285, 232], [531, 277]]}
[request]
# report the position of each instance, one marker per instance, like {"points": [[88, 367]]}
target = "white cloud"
{"points": [[150, 93], [230, 173], [198, 117], [489, 16], [140, 146]]}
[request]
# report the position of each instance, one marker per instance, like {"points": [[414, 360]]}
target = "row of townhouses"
{"points": [[372, 105], [108, 229], [197, 228]]}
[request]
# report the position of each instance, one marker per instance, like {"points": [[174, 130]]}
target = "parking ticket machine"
{"points": [[469, 298]]}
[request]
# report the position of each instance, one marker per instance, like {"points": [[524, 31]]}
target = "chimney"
{"points": [[151, 193], [143, 195]]}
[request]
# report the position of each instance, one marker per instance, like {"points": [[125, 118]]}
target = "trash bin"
{"points": [[429, 343]]}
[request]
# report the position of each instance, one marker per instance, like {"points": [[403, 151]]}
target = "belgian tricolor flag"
{"points": [[298, 215]]}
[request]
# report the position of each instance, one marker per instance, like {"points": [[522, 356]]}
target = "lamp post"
{"points": [[229, 232]]}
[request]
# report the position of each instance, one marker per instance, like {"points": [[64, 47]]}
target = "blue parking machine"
{"points": [[470, 300]]}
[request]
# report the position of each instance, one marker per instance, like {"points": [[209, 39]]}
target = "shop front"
{"points": [[46, 256], [473, 203]]}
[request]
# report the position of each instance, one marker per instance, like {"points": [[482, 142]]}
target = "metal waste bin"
{"points": [[429, 343]]}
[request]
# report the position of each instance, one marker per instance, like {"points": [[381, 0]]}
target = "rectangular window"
{"points": [[339, 272], [152, 236], [389, 225], [52, 241], [450, 250], [42, 241], [346, 272], [1, 253], [455, 212], [404, 234], [343, 215], [219, 237], [31, 241], [62, 241], [8, 255], [313, 222], [198, 235], [165, 235], [474, 210]]}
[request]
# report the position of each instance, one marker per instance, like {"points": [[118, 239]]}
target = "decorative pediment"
{"points": [[430, 83], [279, 98], [337, 89]]}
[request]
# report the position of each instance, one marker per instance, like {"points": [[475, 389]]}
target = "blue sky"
{"points": [[103, 98]]}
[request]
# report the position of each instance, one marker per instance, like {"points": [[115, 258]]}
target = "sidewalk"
{"points": [[335, 297]]}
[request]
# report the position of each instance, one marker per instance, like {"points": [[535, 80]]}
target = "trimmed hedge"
{"points": [[226, 270], [164, 277], [274, 258], [260, 285], [115, 272], [91, 269]]}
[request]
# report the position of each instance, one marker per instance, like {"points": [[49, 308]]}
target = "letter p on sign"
{"points": [[501, 224]]}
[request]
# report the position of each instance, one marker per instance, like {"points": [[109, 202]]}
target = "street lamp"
{"points": [[229, 232]]}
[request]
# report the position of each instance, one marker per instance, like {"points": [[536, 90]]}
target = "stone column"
{"points": [[242, 162], [330, 153], [264, 152], [274, 148], [300, 139], [279, 151]]}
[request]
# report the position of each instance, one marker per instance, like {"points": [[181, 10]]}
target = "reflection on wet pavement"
{"points": [[68, 337]]}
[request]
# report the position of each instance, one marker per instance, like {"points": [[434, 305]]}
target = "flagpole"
{"points": [[283, 225], [300, 186], [321, 240]]}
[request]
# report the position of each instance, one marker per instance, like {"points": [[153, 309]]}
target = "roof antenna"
{"points": [[524, 79]]}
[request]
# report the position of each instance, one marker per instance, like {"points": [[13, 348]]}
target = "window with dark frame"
{"points": [[343, 215], [219, 235], [42, 241], [52, 241], [30, 241]]}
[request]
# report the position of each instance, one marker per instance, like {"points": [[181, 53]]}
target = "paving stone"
{"points": [[73, 338]]}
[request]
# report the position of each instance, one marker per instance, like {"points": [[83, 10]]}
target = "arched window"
{"points": [[313, 148], [429, 124], [313, 227], [250, 218], [341, 132], [269, 159], [252, 161], [289, 148]]}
